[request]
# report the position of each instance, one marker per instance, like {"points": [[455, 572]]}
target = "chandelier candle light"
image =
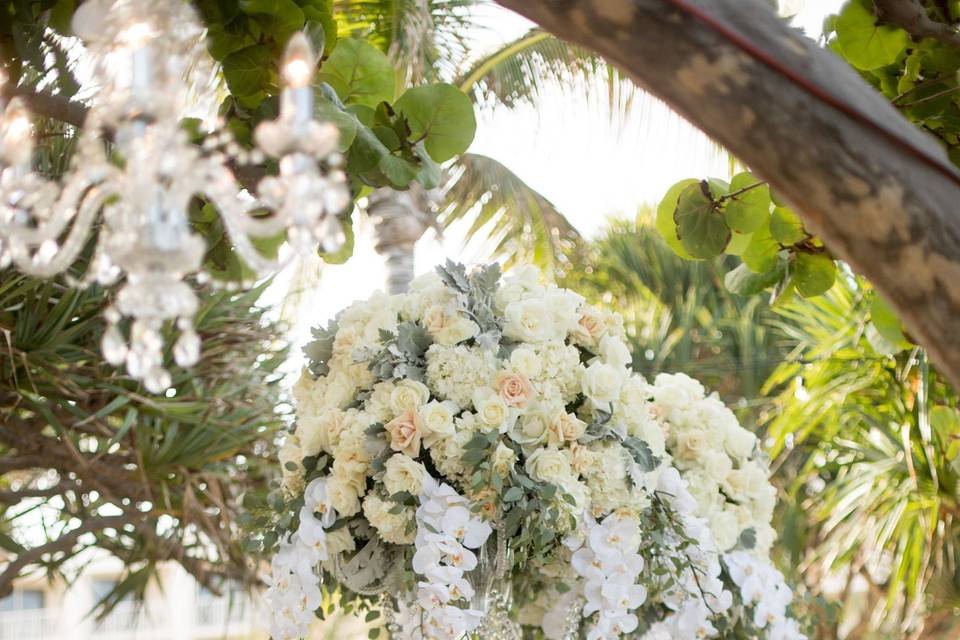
{"points": [[139, 206]]}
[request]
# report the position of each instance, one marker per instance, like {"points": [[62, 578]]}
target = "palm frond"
{"points": [[877, 497], [518, 72], [424, 38], [523, 224]]}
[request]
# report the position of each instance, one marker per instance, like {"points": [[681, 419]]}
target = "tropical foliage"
{"points": [[91, 461], [677, 313], [866, 445]]}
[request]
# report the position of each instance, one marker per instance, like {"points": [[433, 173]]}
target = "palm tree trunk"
{"points": [[400, 219]]}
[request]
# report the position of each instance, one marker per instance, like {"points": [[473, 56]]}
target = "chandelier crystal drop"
{"points": [[135, 173]]}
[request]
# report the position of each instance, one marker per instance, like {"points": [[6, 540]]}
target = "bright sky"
{"points": [[589, 165]]}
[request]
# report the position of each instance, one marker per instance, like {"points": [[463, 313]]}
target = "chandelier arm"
{"points": [[224, 197], [67, 253]]}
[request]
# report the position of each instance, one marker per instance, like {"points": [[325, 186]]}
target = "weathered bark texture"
{"points": [[881, 194]]}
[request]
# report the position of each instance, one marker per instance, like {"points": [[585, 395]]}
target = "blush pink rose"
{"points": [[405, 433], [514, 389]]}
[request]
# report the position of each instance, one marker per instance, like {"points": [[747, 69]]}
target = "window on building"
{"points": [[22, 600]]}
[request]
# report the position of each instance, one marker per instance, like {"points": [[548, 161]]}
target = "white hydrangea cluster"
{"points": [[295, 592], [717, 456], [608, 562], [473, 401], [446, 533]]}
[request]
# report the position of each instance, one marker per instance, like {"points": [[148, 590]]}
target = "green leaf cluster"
{"points": [[705, 219]]}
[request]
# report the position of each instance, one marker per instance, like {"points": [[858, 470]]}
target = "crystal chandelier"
{"points": [[135, 173]]}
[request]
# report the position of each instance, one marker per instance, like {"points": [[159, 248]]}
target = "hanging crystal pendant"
{"points": [[140, 51]]}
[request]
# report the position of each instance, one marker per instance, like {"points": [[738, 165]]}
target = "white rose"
{"points": [[529, 320], [320, 432], [548, 465], [725, 528], [492, 411], [590, 327], [563, 304], [717, 465], [436, 420], [378, 404], [739, 442], [531, 429], [525, 361], [408, 394], [614, 351], [691, 444], [402, 473], [343, 495], [392, 527], [447, 326], [564, 427], [503, 460], [602, 382]]}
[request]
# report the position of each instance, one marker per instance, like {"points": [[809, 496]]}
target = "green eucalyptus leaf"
{"points": [[813, 273], [700, 225], [785, 227], [666, 225], [359, 73], [745, 213], [441, 116], [864, 42]]}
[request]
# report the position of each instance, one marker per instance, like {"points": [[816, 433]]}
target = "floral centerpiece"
{"points": [[476, 459]]}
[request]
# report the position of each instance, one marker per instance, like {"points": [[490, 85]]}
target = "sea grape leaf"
{"points": [[359, 73], [700, 225], [864, 42], [813, 273], [785, 227], [746, 212], [441, 116], [665, 223]]}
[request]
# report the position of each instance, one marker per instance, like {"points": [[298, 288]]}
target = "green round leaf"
{"points": [[745, 213], [742, 281], [761, 254], [279, 18], [785, 227], [247, 71], [359, 73], [666, 225], [327, 111], [738, 243], [865, 44], [700, 225], [813, 273], [441, 116]]}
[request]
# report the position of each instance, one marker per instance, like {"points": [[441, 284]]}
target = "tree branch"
{"points": [[880, 193], [49, 105], [65, 542], [910, 16]]}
